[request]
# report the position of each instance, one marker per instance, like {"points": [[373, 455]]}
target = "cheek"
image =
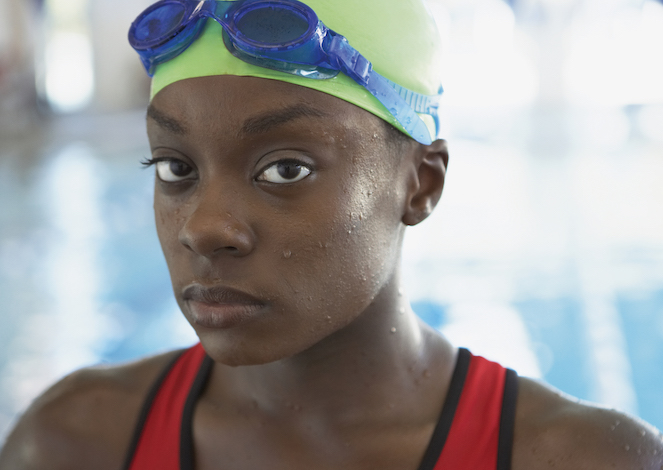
{"points": [[372, 229], [169, 221], [343, 255]]}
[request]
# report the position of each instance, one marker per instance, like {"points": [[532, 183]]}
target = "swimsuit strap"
{"points": [[164, 425], [475, 430]]}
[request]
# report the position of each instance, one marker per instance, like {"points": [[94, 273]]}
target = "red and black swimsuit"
{"points": [[474, 432]]}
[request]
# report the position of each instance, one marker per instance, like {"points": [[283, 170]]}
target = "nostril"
{"points": [[229, 250]]}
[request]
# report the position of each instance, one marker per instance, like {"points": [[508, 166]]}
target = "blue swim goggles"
{"points": [[283, 35]]}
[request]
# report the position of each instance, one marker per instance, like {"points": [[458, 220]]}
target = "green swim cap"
{"points": [[399, 37]]}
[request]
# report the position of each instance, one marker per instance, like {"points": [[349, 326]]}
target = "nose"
{"points": [[212, 229]]}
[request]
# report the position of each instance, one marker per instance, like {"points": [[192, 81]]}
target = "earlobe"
{"points": [[428, 181]]}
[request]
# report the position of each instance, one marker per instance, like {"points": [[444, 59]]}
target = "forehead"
{"points": [[241, 104]]}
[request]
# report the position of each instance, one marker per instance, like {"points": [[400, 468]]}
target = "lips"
{"points": [[220, 307]]}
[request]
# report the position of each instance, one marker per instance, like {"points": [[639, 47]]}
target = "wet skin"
{"points": [[303, 257], [281, 212]]}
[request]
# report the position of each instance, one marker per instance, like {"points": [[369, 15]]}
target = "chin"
{"points": [[244, 352]]}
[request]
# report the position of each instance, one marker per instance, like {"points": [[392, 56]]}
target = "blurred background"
{"points": [[546, 252]]}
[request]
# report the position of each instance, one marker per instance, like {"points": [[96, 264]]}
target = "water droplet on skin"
{"points": [[643, 433], [627, 447], [287, 254], [393, 330]]}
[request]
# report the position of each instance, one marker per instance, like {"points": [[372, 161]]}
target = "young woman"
{"points": [[283, 190]]}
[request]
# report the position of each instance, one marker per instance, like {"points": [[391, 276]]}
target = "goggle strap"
{"points": [[426, 104], [382, 89], [348, 60], [402, 103]]}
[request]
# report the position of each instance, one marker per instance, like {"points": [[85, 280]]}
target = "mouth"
{"points": [[220, 307]]}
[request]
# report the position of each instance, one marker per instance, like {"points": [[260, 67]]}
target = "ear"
{"points": [[426, 182]]}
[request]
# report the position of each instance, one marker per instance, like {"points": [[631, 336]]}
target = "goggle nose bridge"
{"points": [[196, 10]]}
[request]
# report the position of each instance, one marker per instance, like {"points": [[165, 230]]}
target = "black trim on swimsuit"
{"points": [[507, 421], [443, 427], [186, 432], [145, 410], [433, 451]]}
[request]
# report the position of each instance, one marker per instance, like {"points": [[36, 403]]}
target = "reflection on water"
{"points": [[551, 266]]}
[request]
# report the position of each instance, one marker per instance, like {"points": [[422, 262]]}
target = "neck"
{"points": [[377, 361]]}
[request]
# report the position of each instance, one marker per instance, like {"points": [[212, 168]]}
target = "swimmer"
{"points": [[293, 143]]}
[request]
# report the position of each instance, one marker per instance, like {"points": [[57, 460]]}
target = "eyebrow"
{"points": [[166, 122], [254, 125], [266, 122]]}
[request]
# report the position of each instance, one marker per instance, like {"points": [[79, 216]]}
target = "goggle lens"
{"points": [[277, 25], [160, 22]]}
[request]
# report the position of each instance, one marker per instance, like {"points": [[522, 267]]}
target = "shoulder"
{"points": [[84, 421], [556, 431]]}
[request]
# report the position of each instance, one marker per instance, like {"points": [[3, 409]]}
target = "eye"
{"points": [[174, 171], [285, 171]]}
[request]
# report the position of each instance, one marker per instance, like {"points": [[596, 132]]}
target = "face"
{"points": [[279, 210]]}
